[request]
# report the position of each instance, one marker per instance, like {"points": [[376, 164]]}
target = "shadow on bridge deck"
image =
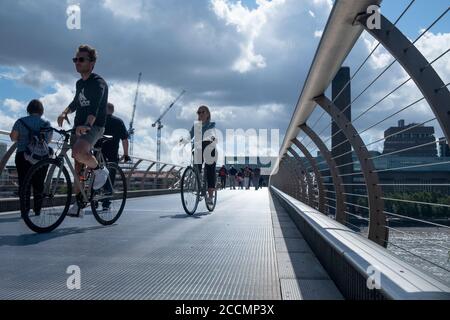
{"points": [[247, 249]]}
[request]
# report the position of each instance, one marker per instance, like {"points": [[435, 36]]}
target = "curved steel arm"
{"points": [[317, 173], [377, 224], [145, 175], [298, 184], [310, 195], [341, 216], [155, 181], [6, 157], [167, 176], [131, 172]]}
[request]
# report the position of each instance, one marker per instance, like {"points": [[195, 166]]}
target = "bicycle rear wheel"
{"points": [[107, 204], [190, 190], [50, 198]]}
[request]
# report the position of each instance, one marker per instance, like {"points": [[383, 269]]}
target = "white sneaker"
{"points": [[100, 178], [209, 201], [74, 211]]}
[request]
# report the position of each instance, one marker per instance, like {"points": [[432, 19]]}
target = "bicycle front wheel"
{"points": [[107, 204], [190, 190], [45, 195]]}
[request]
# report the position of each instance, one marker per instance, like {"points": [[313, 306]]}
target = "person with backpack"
{"points": [[32, 146]]}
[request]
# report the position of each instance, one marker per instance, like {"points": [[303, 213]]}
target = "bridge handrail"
{"points": [[397, 279], [338, 39]]}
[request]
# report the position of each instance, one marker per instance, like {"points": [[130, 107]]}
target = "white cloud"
{"points": [[328, 4], [14, 105], [36, 78], [433, 45], [54, 103], [131, 9], [30, 76], [6, 121], [249, 23], [381, 57], [152, 99]]}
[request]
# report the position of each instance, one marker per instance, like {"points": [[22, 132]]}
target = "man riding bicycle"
{"points": [[89, 104]]}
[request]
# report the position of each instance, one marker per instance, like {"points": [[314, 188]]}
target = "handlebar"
{"points": [[185, 141], [60, 131]]}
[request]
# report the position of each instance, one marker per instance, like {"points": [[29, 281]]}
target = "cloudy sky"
{"points": [[247, 60]]}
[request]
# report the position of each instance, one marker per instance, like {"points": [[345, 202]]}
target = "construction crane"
{"points": [[131, 128], [159, 126]]}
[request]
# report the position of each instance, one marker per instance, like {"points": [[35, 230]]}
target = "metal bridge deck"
{"points": [[247, 249]]}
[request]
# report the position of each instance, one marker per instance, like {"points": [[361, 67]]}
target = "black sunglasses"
{"points": [[201, 112], [80, 59]]}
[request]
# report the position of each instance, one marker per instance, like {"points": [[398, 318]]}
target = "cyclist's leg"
{"points": [[108, 188], [210, 168], [38, 181], [82, 153], [211, 177], [78, 170], [22, 166], [82, 148]]}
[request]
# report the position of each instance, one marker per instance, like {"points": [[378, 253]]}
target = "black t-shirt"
{"points": [[90, 99], [116, 128]]}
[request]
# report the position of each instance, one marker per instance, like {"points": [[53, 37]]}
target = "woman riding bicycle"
{"points": [[206, 139]]}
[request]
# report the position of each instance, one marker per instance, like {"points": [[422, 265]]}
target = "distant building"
{"points": [[444, 149], [399, 138], [3, 149]]}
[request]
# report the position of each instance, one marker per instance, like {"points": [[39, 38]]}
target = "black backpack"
{"points": [[37, 148]]}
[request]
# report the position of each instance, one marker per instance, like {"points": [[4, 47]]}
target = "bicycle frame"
{"points": [[64, 158], [201, 174]]}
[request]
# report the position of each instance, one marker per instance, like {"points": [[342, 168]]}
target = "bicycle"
{"points": [[192, 192], [50, 206]]}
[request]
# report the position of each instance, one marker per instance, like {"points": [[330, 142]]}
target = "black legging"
{"points": [[22, 166], [210, 168]]}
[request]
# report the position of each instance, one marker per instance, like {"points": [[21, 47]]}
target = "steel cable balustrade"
{"points": [[391, 28], [362, 64], [435, 89]]}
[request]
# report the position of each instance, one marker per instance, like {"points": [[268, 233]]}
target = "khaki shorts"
{"points": [[92, 136]]}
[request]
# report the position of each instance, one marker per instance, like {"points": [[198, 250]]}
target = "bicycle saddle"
{"points": [[103, 139]]}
